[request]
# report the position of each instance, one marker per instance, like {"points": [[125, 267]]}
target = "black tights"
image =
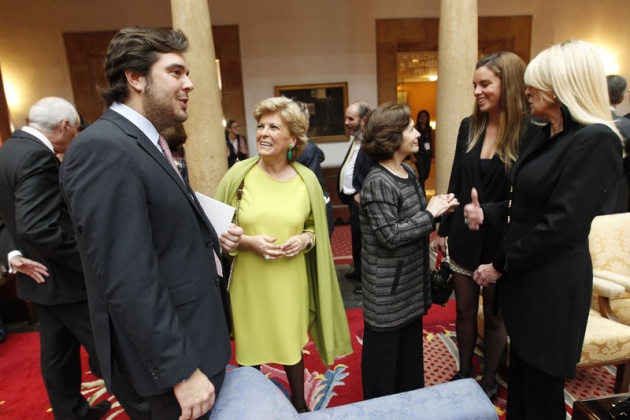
{"points": [[295, 376], [495, 337]]}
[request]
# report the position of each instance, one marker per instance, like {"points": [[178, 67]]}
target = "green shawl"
{"points": [[328, 325]]}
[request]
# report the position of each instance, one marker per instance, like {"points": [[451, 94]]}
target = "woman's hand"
{"points": [[485, 275], [439, 244], [473, 213], [296, 244], [443, 203], [231, 238], [264, 245]]}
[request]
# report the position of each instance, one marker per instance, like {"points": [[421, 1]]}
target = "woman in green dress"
{"points": [[284, 284]]}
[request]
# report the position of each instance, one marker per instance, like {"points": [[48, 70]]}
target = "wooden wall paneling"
{"points": [[227, 48], [340, 210], [512, 33], [86, 53], [400, 35], [5, 118]]}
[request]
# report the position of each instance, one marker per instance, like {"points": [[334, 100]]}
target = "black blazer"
{"points": [[312, 157], [37, 220], [362, 166], [559, 185], [466, 247], [147, 254]]}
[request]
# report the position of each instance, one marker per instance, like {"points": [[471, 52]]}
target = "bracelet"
{"points": [[311, 236]]}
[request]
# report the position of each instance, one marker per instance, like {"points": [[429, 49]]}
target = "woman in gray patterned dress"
{"points": [[395, 225]]}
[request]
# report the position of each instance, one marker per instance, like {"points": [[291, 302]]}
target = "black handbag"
{"points": [[441, 281]]}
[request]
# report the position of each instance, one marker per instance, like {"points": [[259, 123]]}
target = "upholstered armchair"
{"points": [[609, 244], [607, 341]]}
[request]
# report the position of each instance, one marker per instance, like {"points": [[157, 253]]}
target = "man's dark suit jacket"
{"points": [[311, 157], [147, 252], [6, 244], [617, 201], [362, 166], [37, 220]]}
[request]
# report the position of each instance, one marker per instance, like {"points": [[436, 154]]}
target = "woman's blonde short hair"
{"points": [[573, 71], [292, 116]]}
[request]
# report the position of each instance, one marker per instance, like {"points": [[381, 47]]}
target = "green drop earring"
{"points": [[290, 153]]}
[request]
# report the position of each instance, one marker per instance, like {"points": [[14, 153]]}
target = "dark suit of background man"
{"points": [[353, 170], [13, 261], [37, 220], [619, 199], [148, 251]]}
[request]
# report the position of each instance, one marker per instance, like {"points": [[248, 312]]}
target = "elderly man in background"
{"points": [[39, 226]]}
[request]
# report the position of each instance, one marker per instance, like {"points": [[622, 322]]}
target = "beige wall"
{"points": [[282, 41]]}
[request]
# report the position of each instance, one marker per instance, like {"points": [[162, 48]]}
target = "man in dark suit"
{"points": [[312, 157], [619, 199], [150, 255], [352, 173], [6, 246], [16, 264], [616, 92], [37, 220]]}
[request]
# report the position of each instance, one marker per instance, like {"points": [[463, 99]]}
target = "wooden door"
{"points": [[86, 54], [5, 120]]}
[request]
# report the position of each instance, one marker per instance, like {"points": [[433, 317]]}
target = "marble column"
{"points": [[205, 147], [457, 56]]}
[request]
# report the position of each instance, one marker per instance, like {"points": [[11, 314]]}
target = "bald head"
{"points": [[355, 117]]}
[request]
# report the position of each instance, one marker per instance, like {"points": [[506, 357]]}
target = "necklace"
{"points": [[399, 171]]}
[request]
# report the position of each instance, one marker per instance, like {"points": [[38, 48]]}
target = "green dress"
{"points": [[270, 305], [327, 323]]}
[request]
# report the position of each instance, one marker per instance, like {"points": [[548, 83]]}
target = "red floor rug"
{"points": [[341, 243], [22, 393]]}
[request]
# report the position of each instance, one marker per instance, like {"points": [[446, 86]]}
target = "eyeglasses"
{"points": [[235, 126]]}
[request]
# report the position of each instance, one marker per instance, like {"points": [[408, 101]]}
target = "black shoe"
{"points": [[99, 410], [358, 290], [490, 390], [352, 276], [462, 375]]}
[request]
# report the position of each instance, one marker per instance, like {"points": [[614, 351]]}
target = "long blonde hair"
{"points": [[514, 110], [573, 71]]}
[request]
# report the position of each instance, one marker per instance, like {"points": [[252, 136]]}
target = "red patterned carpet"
{"points": [[341, 243], [22, 393]]}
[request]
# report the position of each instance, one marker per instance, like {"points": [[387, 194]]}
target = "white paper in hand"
{"points": [[219, 214]]}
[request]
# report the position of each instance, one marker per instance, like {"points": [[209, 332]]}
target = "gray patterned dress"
{"points": [[395, 230]]}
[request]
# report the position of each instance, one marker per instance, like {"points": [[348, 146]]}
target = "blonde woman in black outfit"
{"points": [[558, 185], [487, 145]]}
